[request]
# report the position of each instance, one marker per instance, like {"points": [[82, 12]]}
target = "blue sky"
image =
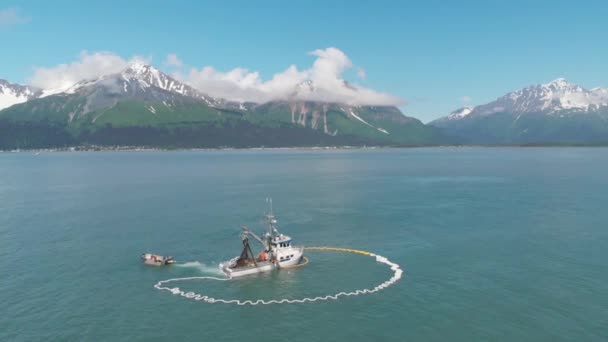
{"points": [[437, 56]]}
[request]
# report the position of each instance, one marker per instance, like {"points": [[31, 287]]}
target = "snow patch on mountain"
{"points": [[460, 113], [352, 113], [11, 94]]}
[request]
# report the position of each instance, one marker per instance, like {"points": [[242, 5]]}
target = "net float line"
{"points": [[397, 274]]}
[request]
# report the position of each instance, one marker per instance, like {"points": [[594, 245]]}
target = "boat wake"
{"points": [[197, 265]]}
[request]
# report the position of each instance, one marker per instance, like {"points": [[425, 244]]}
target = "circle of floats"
{"points": [[397, 273]]}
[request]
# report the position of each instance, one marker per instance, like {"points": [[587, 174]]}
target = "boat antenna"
{"points": [[269, 200], [270, 218]]}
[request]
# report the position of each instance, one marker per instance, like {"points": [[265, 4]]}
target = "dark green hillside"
{"points": [[67, 120], [533, 129]]}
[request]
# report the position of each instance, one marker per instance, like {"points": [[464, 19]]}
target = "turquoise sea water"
{"points": [[505, 244]]}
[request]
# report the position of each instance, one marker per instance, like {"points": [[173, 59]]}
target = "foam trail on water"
{"points": [[397, 274], [201, 267]]}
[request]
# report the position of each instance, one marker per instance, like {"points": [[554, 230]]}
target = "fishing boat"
{"points": [[157, 260], [277, 251]]}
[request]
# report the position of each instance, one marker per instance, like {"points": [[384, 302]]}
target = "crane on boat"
{"points": [[248, 231]]}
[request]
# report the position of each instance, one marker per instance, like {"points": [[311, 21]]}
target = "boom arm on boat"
{"points": [[248, 231]]}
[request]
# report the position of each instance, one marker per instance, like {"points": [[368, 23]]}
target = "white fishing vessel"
{"points": [[277, 251]]}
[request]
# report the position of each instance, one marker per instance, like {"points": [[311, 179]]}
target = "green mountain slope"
{"points": [[532, 129], [65, 120]]}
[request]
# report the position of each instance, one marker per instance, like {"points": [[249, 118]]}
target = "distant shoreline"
{"points": [[308, 148]]}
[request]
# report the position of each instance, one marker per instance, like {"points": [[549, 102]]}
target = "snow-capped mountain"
{"points": [[307, 86], [143, 106], [550, 98], [550, 112], [11, 93], [137, 83], [459, 113], [139, 79]]}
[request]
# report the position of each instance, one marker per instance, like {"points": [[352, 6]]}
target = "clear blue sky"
{"points": [[432, 54]]}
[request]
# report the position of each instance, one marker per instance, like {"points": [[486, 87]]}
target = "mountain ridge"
{"points": [[142, 96], [558, 112]]}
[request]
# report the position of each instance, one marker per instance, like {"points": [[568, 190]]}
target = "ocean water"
{"points": [[497, 244]]}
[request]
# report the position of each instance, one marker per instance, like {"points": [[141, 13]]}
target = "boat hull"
{"points": [[156, 260], [158, 263], [248, 270], [292, 262]]}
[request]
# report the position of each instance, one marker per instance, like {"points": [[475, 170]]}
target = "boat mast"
{"points": [[270, 205], [272, 231]]}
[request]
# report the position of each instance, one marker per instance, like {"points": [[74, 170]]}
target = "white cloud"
{"points": [[12, 16], [88, 66], [242, 85], [465, 99], [323, 81], [173, 60], [325, 75], [361, 73]]}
